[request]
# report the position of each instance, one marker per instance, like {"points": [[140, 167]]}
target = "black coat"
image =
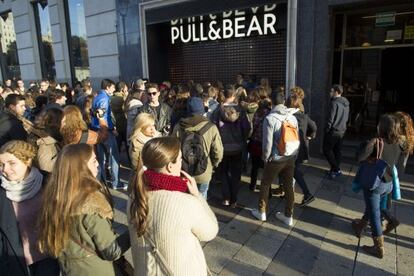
{"points": [[12, 260], [11, 128], [307, 128]]}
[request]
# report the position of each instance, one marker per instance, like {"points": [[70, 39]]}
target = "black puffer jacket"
{"points": [[11, 128]]}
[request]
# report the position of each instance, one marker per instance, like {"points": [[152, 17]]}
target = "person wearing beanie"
{"points": [[212, 146]]}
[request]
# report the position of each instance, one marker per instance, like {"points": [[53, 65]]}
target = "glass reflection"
{"points": [[78, 40], [47, 57], [9, 59]]}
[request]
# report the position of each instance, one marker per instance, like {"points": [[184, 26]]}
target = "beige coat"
{"points": [[47, 153], [177, 222]]}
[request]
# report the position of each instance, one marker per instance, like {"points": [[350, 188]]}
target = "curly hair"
{"points": [[22, 150], [406, 130]]}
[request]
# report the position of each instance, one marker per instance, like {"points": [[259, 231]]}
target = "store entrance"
{"points": [[397, 79]]}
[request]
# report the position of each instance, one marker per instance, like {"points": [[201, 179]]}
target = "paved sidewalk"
{"points": [[321, 241]]}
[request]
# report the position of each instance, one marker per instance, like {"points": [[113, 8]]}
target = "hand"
{"points": [[115, 132], [191, 183]]}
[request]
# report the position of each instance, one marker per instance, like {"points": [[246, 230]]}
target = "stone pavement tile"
{"points": [[405, 239], [219, 252], [303, 243], [288, 268], [338, 248], [224, 214], [240, 269], [258, 251], [240, 228]]}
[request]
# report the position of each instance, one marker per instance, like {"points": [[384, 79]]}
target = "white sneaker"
{"points": [[259, 215], [286, 220]]}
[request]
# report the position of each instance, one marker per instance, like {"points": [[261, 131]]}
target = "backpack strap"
{"points": [[204, 129], [84, 137]]}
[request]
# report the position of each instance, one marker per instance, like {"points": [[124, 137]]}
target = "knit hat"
{"points": [[195, 105]]}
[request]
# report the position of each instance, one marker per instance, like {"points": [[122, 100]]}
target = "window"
{"points": [[78, 44], [44, 36], [9, 59]]}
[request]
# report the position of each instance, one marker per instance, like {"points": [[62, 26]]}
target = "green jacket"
{"points": [[213, 147], [93, 246]]}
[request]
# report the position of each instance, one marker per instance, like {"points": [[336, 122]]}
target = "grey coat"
{"points": [[271, 131]]}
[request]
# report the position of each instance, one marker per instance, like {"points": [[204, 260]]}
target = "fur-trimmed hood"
{"points": [[97, 203]]}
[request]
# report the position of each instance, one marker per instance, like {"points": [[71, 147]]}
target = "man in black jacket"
{"points": [[11, 128], [335, 130], [161, 111]]}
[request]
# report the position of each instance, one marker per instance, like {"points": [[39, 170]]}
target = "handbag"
{"points": [[122, 263], [372, 171]]}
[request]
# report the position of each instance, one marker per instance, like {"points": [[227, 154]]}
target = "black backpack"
{"points": [[194, 159]]}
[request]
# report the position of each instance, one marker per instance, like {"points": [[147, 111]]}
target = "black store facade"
{"points": [[363, 44], [215, 40]]}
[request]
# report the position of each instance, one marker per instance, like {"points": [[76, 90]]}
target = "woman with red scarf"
{"points": [[168, 217]]}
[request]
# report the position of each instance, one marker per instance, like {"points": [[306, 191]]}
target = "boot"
{"points": [[359, 226], [391, 225], [378, 249]]}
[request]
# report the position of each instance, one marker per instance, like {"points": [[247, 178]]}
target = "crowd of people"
{"points": [[60, 156]]}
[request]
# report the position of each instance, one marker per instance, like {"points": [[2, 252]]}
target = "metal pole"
{"points": [[291, 44]]}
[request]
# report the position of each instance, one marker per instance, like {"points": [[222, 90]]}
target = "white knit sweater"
{"points": [[177, 222]]}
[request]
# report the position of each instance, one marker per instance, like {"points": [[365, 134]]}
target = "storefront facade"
{"points": [[310, 43]]}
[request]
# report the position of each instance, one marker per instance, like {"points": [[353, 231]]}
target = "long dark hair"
{"points": [[389, 128]]}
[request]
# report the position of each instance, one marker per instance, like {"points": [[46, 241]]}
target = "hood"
{"points": [[230, 112], [250, 107], [341, 100], [192, 121], [134, 103], [282, 110]]}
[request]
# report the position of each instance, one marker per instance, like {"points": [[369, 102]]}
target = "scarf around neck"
{"points": [[159, 181], [18, 191]]}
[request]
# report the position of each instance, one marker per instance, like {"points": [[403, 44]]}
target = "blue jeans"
{"points": [[203, 189], [372, 206], [109, 149]]}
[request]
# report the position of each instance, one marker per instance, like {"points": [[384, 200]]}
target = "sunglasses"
{"points": [[152, 94]]}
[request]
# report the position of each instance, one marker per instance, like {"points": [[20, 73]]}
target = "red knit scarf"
{"points": [[159, 181]]}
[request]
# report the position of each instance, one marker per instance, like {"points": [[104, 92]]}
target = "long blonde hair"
{"points": [[143, 120], [68, 187], [156, 154]]}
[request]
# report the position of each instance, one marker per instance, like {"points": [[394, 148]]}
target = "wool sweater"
{"points": [[177, 222]]}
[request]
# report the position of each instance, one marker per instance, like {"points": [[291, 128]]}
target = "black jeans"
{"points": [[332, 144], [230, 174], [257, 163], [298, 175]]}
